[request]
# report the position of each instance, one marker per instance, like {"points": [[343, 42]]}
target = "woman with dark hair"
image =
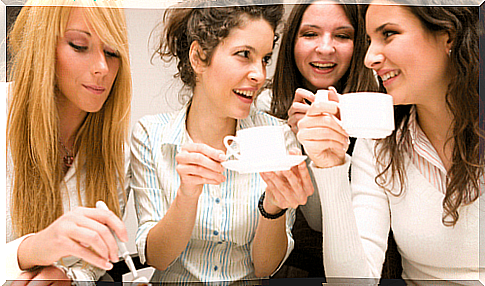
{"points": [[423, 181], [323, 46], [197, 221]]}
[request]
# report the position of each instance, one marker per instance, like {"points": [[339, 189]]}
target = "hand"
{"points": [[287, 188], [49, 275], [324, 140], [299, 107], [199, 164], [83, 233]]}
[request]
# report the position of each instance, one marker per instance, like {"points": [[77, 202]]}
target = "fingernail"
{"points": [[222, 157], [108, 265]]}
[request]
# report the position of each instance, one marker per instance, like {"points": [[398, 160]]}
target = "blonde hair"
{"points": [[33, 120]]}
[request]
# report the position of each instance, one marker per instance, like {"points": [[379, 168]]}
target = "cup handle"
{"points": [[231, 151]]}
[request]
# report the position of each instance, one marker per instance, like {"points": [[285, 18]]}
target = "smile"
{"points": [[95, 89], [245, 93], [389, 75], [323, 66]]}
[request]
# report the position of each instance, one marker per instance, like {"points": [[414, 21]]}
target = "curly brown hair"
{"points": [[462, 99], [208, 24]]}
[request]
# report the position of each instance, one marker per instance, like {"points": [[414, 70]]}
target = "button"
{"points": [[216, 232], [215, 268], [219, 242], [218, 200]]}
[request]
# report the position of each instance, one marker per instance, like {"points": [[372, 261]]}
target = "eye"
{"points": [[267, 60], [309, 34], [244, 53], [344, 36], [388, 33], [111, 54], [78, 48]]}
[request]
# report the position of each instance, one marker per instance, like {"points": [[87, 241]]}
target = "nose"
{"points": [[257, 73], [100, 64], [374, 57], [325, 45]]}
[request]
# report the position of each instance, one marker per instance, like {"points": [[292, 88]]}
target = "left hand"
{"points": [[49, 275], [287, 189]]}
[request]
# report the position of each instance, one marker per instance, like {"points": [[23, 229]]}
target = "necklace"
{"points": [[69, 158]]}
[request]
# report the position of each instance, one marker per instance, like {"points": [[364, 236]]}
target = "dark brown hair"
{"points": [[287, 77], [208, 23], [462, 185]]}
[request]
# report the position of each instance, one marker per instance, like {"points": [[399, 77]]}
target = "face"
{"points": [[85, 67], [411, 61], [324, 45], [230, 83]]}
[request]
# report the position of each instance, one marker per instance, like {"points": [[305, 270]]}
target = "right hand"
{"points": [[83, 232], [299, 107], [199, 164], [324, 140]]}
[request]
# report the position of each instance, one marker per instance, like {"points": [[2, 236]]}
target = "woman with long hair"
{"points": [[199, 222], [423, 181], [323, 46], [68, 119]]}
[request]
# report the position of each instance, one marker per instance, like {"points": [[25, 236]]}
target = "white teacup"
{"points": [[258, 143], [364, 114]]}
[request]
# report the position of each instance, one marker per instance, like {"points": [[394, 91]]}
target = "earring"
{"points": [[449, 53]]}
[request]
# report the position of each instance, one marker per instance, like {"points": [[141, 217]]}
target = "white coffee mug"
{"points": [[364, 114], [258, 143]]}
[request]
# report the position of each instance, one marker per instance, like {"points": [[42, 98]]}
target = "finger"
{"points": [[292, 178], [212, 153], [281, 183], [198, 159], [108, 218], [24, 278], [320, 108], [89, 256], [273, 194], [302, 94], [197, 171], [295, 151], [333, 94], [323, 133], [305, 178], [96, 235], [297, 108]]}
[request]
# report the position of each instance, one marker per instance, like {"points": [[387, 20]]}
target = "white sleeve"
{"points": [[356, 219]]}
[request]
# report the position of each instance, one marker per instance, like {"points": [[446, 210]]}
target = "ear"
{"points": [[447, 40], [195, 54]]}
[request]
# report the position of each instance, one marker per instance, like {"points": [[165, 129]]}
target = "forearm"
{"points": [[167, 239], [270, 243]]}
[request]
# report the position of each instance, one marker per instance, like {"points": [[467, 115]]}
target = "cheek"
{"points": [[346, 51]]}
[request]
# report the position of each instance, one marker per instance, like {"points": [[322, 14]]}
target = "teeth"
{"points": [[389, 75], [319, 65], [246, 93]]}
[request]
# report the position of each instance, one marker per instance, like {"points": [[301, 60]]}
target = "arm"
{"points": [[197, 164], [285, 189], [356, 223]]}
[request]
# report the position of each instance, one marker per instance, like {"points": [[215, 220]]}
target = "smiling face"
{"points": [[411, 61], [237, 70], [324, 45], [85, 67]]}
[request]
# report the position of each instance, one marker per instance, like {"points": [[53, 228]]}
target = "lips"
{"points": [[95, 89], [245, 95], [323, 68]]}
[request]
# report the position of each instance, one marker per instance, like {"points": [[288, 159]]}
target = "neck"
{"points": [[436, 121], [205, 126], [70, 120]]}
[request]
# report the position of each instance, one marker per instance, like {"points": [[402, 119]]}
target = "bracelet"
{"points": [[264, 213]]}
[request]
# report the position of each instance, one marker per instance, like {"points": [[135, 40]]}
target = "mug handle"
{"points": [[231, 151]]}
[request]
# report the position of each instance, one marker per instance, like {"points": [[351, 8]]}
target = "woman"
{"points": [[69, 107], [423, 180], [317, 52], [199, 222]]}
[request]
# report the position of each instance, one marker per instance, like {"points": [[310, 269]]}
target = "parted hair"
{"points": [[287, 77], [33, 119], [462, 99], [208, 23]]}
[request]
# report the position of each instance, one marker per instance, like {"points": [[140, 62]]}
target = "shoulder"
{"points": [[263, 102], [155, 123]]}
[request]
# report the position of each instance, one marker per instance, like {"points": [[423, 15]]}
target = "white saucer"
{"points": [[264, 165]]}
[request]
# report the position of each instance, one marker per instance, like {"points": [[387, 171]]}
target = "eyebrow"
{"points": [[80, 31], [338, 28], [383, 26]]}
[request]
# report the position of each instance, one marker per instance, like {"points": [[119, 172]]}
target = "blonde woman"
{"points": [[69, 106]]}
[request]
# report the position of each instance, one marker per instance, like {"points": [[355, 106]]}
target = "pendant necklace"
{"points": [[69, 158]]}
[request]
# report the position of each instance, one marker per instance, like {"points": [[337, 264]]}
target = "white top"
{"points": [[227, 214], [357, 221], [68, 189]]}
